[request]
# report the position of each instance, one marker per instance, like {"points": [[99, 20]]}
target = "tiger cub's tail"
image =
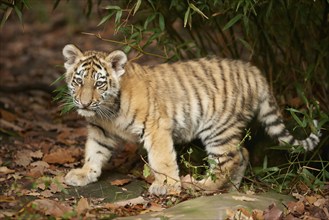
{"points": [[271, 118]]}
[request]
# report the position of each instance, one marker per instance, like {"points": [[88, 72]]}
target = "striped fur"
{"points": [[211, 99]]}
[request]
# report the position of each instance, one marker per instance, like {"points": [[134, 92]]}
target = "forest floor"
{"points": [[38, 145]]}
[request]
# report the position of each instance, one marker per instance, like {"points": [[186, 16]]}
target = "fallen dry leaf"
{"points": [[6, 115], [296, 207], [36, 154], [273, 212], [46, 193], [257, 214], [23, 158], [50, 207], [243, 212], [60, 156], [82, 206], [311, 199], [9, 125], [320, 202], [6, 170], [154, 207], [120, 182], [4, 198]]}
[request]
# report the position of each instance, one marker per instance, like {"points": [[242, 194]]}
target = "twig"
{"points": [[126, 43]]}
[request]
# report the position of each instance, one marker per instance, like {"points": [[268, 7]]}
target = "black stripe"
{"points": [[229, 154], [132, 121], [205, 129], [187, 106], [282, 133], [205, 86], [224, 86], [187, 67], [270, 113], [99, 152], [108, 147], [242, 84], [85, 64], [235, 83], [314, 140], [210, 74], [224, 162], [223, 141], [274, 123], [229, 122], [143, 131], [105, 133], [98, 66]]}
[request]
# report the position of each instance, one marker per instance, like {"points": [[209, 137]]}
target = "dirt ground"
{"points": [[38, 144]]}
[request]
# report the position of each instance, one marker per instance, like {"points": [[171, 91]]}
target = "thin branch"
{"points": [[126, 43]]}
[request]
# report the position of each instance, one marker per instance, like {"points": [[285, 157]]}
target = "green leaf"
{"points": [[56, 4], [5, 17], [59, 79], [187, 16], [19, 14], [127, 49], [112, 7], [303, 123], [197, 10], [146, 171], [232, 21], [265, 163], [246, 44], [161, 22], [148, 20], [118, 16], [106, 18], [137, 5]]}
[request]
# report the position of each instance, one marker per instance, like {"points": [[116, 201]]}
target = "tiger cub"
{"points": [[210, 99]]}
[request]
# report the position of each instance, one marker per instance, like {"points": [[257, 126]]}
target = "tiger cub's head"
{"points": [[93, 79]]}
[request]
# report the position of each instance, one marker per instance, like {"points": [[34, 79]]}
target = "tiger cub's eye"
{"points": [[78, 80], [99, 83]]}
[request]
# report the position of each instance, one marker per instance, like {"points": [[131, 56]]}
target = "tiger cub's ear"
{"points": [[117, 60], [71, 53]]}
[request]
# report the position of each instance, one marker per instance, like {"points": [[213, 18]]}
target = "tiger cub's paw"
{"points": [[169, 188], [82, 176]]}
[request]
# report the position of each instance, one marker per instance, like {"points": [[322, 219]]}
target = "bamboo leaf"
{"points": [[148, 20], [19, 14], [112, 7], [300, 123], [104, 19], [232, 22], [197, 10], [187, 16], [118, 16], [5, 16], [246, 44], [137, 5], [56, 4], [161, 22]]}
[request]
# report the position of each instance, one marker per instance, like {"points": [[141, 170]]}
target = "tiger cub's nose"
{"points": [[85, 104]]}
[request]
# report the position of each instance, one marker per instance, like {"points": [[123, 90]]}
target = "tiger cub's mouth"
{"points": [[86, 112]]}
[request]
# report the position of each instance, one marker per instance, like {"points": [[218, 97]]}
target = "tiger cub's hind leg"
{"points": [[227, 169], [227, 161]]}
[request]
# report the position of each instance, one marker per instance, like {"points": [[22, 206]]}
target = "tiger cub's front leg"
{"points": [[96, 155], [162, 159]]}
